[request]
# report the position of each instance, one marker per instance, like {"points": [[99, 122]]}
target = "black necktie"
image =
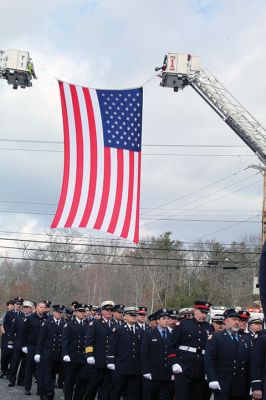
{"points": [[132, 330], [81, 323], [235, 338], [164, 335]]}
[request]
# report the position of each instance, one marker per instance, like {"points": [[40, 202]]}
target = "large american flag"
{"points": [[102, 160]]}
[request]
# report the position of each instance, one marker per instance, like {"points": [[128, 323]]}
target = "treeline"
{"points": [[159, 272]]}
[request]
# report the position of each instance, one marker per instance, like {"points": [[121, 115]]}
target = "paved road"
{"points": [[17, 392]]}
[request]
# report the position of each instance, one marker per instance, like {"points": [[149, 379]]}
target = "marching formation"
{"points": [[114, 352]]}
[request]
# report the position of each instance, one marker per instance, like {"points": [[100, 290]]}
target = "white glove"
{"points": [[176, 368], [25, 349], [147, 376], [66, 358], [215, 385], [37, 358], [91, 360], [10, 346], [110, 366]]}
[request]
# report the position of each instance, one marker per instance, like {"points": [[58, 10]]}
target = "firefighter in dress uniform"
{"points": [[49, 349], [227, 359], [97, 344], [124, 358], [158, 377], [73, 351], [29, 342], [18, 359], [186, 348]]}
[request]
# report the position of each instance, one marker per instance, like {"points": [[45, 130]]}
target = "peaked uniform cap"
{"points": [[162, 313], [119, 308], [255, 320], [27, 303], [202, 305], [107, 304], [18, 300], [59, 308], [231, 313], [243, 314], [81, 307], [131, 310]]}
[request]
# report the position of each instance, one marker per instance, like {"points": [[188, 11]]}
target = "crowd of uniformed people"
{"points": [[113, 352]]}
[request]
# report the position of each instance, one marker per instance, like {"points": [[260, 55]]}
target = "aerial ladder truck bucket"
{"points": [[16, 67], [181, 70]]}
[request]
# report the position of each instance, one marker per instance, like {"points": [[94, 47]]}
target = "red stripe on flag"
{"points": [[63, 195], [80, 157], [119, 190], [93, 159], [106, 188], [126, 226], [136, 234]]}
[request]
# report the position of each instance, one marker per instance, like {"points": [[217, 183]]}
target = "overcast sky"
{"points": [[117, 44]]}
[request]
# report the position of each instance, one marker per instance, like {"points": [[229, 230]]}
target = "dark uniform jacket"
{"points": [[32, 329], [125, 350], [193, 336], [7, 323], [153, 355], [50, 339], [98, 338], [227, 362], [258, 365], [74, 340], [17, 331]]}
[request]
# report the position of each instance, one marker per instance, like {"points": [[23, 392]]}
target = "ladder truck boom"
{"points": [[181, 70]]}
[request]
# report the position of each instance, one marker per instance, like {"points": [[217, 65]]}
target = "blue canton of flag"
{"points": [[121, 112]]}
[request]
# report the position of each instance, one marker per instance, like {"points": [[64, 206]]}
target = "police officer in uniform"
{"points": [[124, 358], [73, 351], [227, 358], [98, 338], [49, 350], [157, 373], [31, 333], [7, 351], [18, 359], [186, 350]]}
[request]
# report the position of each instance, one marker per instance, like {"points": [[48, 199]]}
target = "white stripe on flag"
{"points": [[123, 208], [131, 231], [72, 156], [113, 188], [100, 159], [86, 157]]}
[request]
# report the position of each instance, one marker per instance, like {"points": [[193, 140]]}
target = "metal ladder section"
{"points": [[231, 111]]}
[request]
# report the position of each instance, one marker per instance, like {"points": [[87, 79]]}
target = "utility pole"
{"points": [[263, 230]]}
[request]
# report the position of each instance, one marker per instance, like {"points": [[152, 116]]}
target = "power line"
{"points": [[122, 246], [121, 255], [112, 264], [143, 153], [143, 145]]}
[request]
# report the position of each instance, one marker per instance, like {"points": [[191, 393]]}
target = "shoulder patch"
{"points": [[209, 337]]}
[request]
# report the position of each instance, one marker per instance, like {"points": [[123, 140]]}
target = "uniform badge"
{"points": [[42, 323], [209, 337], [65, 325], [114, 329], [91, 323]]}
